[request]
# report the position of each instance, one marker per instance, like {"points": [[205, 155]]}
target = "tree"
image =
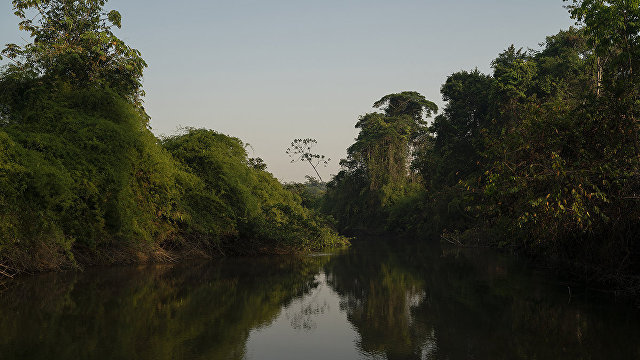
{"points": [[382, 148], [612, 25], [301, 150], [409, 103], [459, 130], [376, 172], [73, 41], [388, 140]]}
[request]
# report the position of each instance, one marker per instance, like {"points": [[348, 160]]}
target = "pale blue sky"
{"points": [[271, 71]]}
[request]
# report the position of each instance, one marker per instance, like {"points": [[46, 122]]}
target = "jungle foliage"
{"points": [[541, 155], [83, 179], [376, 174]]}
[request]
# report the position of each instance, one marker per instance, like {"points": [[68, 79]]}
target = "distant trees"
{"points": [[377, 169], [408, 103], [387, 140], [302, 150]]}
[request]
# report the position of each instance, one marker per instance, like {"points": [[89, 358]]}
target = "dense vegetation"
{"points": [[542, 155], [83, 179]]}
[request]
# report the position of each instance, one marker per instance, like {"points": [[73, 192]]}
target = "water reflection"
{"points": [[419, 302], [377, 301], [201, 311], [379, 297]]}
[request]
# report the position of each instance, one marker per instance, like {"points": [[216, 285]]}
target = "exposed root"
{"points": [[7, 272], [451, 238]]}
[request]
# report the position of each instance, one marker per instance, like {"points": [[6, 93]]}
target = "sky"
{"points": [[269, 72]]}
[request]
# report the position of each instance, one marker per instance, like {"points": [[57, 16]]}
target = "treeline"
{"points": [[83, 180], [542, 155]]}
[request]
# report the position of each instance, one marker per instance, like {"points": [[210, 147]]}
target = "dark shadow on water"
{"points": [[423, 302], [405, 301], [196, 311]]}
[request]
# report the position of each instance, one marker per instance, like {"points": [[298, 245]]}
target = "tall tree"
{"points": [[386, 141], [459, 129], [377, 169], [613, 28], [410, 103], [73, 41], [302, 150]]}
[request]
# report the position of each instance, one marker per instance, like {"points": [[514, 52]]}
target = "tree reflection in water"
{"points": [[201, 311], [390, 300], [422, 302]]}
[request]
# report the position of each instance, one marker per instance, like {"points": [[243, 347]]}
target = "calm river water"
{"points": [[375, 301]]}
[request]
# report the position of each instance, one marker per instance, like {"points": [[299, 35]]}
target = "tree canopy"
{"points": [[83, 180], [542, 154], [73, 41]]}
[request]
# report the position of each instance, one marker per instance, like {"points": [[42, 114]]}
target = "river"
{"points": [[377, 300]]}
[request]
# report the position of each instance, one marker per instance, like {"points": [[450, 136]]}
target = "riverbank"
{"points": [[84, 181], [576, 269], [83, 259], [573, 273]]}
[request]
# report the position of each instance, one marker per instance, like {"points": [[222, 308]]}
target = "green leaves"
{"points": [[613, 30], [12, 51], [115, 18], [231, 198], [73, 41], [514, 73], [377, 172], [409, 103]]}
